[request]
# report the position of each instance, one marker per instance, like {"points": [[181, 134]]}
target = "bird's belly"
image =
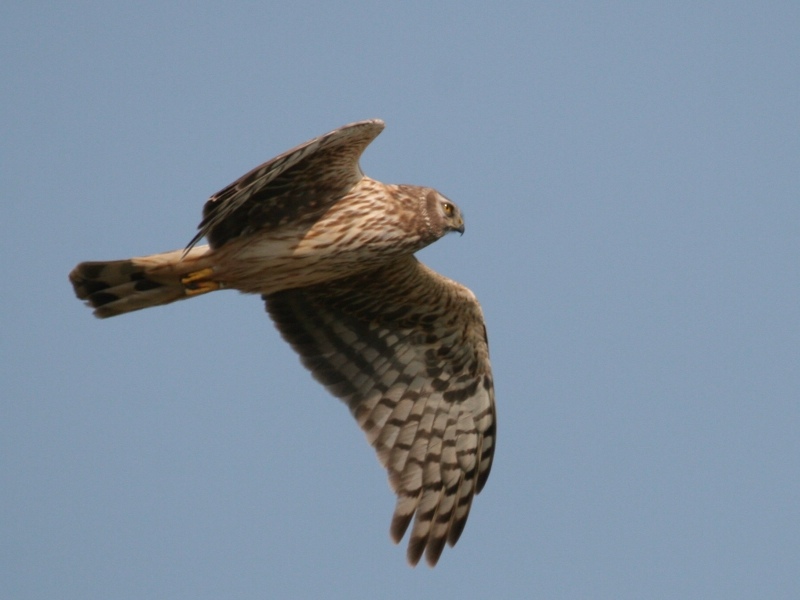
{"points": [[275, 263]]}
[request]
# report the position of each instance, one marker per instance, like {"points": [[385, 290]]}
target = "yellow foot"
{"points": [[198, 282]]}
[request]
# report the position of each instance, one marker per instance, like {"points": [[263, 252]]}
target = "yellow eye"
{"points": [[447, 208]]}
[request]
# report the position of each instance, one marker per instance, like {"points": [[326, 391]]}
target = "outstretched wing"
{"points": [[406, 348], [300, 183]]}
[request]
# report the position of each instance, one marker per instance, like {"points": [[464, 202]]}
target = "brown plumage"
{"points": [[331, 252]]}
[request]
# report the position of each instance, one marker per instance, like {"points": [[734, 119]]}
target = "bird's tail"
{"points": [[120, 286]]}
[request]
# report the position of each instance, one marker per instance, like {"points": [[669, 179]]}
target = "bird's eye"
{"points": [[447, 208]]}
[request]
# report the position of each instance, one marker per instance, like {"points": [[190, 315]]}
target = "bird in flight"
{"points": [[331, 252]]}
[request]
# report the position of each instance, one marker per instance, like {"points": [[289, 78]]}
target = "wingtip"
{"points": [[380, 123]]}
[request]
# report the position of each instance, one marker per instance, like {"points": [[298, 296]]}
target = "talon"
{"points": [[202, 287], [198, 283], [197, 275]]}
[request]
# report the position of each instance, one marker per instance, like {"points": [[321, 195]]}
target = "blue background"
{"points": [[630, 176]]}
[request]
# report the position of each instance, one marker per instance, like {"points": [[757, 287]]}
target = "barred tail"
{"points": [[120, 286]]}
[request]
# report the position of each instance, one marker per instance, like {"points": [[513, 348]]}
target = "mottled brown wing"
{"points": [[406, 349], [298, 184]]}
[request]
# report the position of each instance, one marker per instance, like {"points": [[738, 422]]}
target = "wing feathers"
{"points": [[301, 182], [406, 349]]}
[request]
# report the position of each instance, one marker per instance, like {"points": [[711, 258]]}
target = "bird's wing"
{"points": [[298, 184], [406, 349]]}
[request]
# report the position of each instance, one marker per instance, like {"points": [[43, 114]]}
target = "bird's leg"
{"points": [[200, 282]]}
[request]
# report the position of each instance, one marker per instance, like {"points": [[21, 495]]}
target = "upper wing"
{"points": [[300, 182], [406, 348]]}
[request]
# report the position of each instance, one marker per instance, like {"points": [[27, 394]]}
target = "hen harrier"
{"points": [[331, 252]]}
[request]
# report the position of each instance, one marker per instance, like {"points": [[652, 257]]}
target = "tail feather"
{"points": [[120, 286]]}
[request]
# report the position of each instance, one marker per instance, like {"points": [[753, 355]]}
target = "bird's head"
{"points": [[443, 215]]}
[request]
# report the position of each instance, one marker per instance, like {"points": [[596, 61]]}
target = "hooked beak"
{"points": [[460, 228]]}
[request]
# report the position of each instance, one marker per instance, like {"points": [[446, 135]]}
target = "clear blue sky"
{"points": [[630, 175]]}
